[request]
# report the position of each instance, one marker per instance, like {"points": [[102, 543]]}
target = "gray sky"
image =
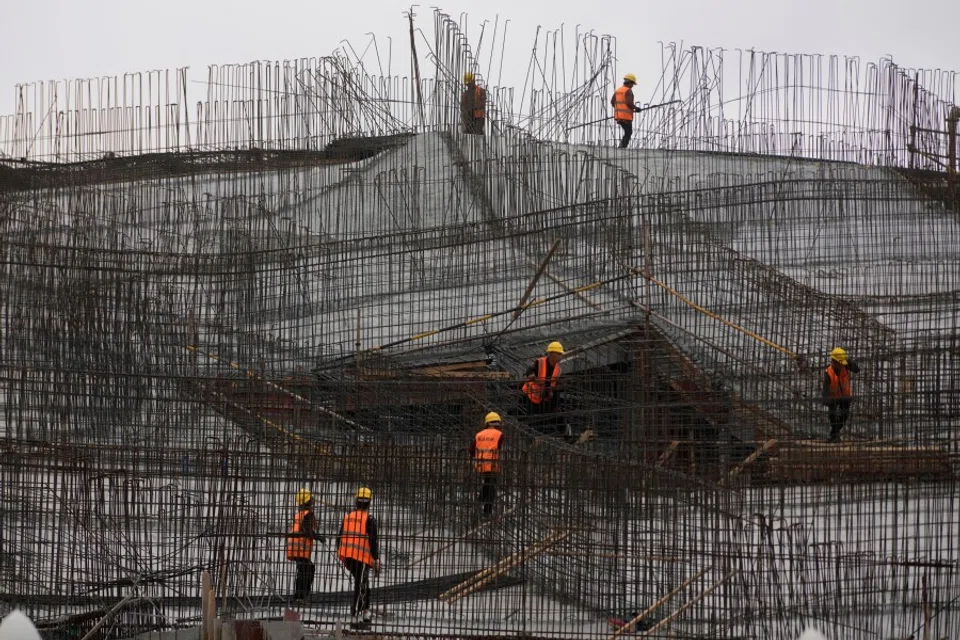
{"points": [[63, 39]]}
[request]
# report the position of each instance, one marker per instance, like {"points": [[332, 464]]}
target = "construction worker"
{"points": [[300, 544], [359, 551], [624, 108], [541, 398], [485, 450], [837, 392], [473, 103]]}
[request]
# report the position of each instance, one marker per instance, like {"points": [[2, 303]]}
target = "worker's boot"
{"points": [[362, 621], [359, 623]]}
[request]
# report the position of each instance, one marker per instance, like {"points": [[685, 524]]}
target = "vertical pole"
{"points": [[416, 67], [646, 269], [193, 335], [952, 120], [222, 583], [358, 341], [211, 616], [205, 593], [648, 414], [359, 376], [912, 145]]}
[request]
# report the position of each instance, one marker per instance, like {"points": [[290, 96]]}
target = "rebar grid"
{"points": [[317, 280]]}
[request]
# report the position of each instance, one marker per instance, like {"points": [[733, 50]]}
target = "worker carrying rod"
{"points": [[624, 108]]}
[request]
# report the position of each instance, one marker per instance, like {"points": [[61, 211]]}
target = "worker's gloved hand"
{"points": [[320, 539]]}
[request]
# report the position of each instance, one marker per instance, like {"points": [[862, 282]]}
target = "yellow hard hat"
{"points": [[839, 355], [363, 493], [630, 78], [555, 347], [493, 416], [468, 77], [303, 497]]}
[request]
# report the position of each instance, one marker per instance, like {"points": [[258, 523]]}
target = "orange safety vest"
{"points": [[476, 112], [299, 546], [487, 446], [540, 388], [355, 542], [839, 383], [621, 107]]}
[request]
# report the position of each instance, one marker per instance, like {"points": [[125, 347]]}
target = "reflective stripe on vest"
{"points": [[487, 445], [621, 107], [541, 388], [355, 542], [839, 384], [298, 545]]}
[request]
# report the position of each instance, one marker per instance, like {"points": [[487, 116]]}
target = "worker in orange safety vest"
{"points": [[624, 108], [837, 391], [300, 544], [485, 450], [541, 399], [359, 551], [473, 105]]}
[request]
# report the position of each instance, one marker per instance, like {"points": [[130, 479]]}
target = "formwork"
{"points": [[320, 281]]}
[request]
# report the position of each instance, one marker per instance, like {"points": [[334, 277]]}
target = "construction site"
{"points": [[305, 274]]}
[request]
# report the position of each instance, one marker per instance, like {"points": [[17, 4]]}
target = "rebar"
{"points": [[312, 277]]}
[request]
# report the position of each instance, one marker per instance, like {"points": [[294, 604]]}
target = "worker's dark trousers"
{"points": [[545, 417], [488, 491], [473, 126], [627, 126], [838, 411], [304, 580], [361, 585]]}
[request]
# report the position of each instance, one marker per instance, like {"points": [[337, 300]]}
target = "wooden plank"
{"points": [[666, 455], [534, 552], [860, 447], [823, 465], [673, 616], [205, 594], [476, 581], [585, 436], [458, 366], [769, 444], [464, 537], [434, 372], [657, 604]]}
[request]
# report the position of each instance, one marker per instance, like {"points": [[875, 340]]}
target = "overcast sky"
{"points": [[58, 39]]}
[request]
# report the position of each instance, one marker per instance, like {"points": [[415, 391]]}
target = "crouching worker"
{"points": [[540, 403]]}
